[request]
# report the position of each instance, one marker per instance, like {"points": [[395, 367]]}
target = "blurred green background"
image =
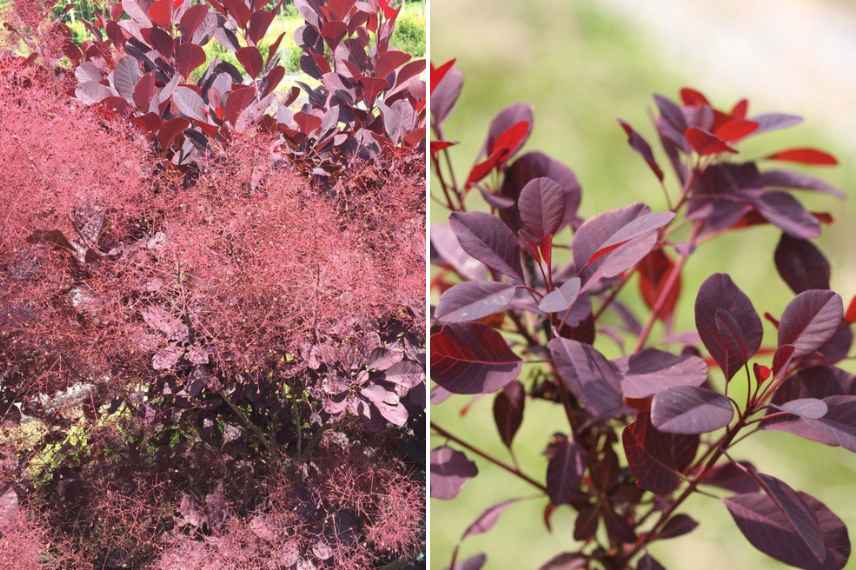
{"points": [[582, 63]]}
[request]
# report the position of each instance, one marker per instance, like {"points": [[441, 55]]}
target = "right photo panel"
{"points": [[642, 285]]}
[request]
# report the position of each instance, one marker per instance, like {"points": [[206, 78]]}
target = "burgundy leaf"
{"points": [[488, 519], [144, 91], [472, 359], [239, 98], [259, 24], [192, 19], [801, 264], [488, 240], [651, 371], [188, 57], [450, 469], [160, 12], [590, 377], [162, 42], [238, 10], [585, 525], [564, 471], [719, 305], [389, 61], [444, 95], [251, 59], [542, 207], [689, 410], [640, 145], [562, 298], [655, 458], [810, 320], [473, 300], [508, 407]]}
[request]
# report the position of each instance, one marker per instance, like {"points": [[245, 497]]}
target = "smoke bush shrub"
{"points": [[523, 316], [182, 343]]}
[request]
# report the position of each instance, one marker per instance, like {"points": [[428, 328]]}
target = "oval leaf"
{"points": [[542, 207], [801, 264], [450, 469], [689, 410], [488, 240], [472, 359], [508, 409], [474, 300], [810, 320], [590, 377], [561, 299]]}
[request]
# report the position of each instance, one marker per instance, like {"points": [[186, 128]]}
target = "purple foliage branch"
{"points": [[637, 444]]}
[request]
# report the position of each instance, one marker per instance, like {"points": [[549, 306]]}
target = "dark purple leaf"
{"points": [[564, 471], [565, 561], [473, 300], [618, 529], [489, 240], [678, 525], [798, 180], [562, 298], [590, 377], [655, 458], [534, 165], [648, 562], [448, 249], [768, 122], [732, 477], [585, 525], [837, 348], [472, 359], [816, 382], [640, 145], [801, 264], [450, 469], [445, 95], [784, 211], [836, 428], [542, 208], [689, 410], [476, 562], [603, 233], [487, 520], [727, 323], [811, 537], [508, 407], [810, 320], [651, 371], [808, 408]]}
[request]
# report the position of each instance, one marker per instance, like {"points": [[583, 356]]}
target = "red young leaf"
{"points": [[654, 271], [740, 109], [238, 100], [735, 129], [308, 123], [705, 143], [761, 372], [438, 146], [850, 316], [692, 97], [144, 91], [438, 73], [170, 130], [389, 61], [160, 13], [388, 12], [808, 156]]}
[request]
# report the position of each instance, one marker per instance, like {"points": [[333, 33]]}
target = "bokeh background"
{"points": [[582, 63]]}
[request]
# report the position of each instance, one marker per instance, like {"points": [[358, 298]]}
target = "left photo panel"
{"points": [[212, 284]]}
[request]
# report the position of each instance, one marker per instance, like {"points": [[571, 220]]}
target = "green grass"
{"points": [[581, 68]]}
